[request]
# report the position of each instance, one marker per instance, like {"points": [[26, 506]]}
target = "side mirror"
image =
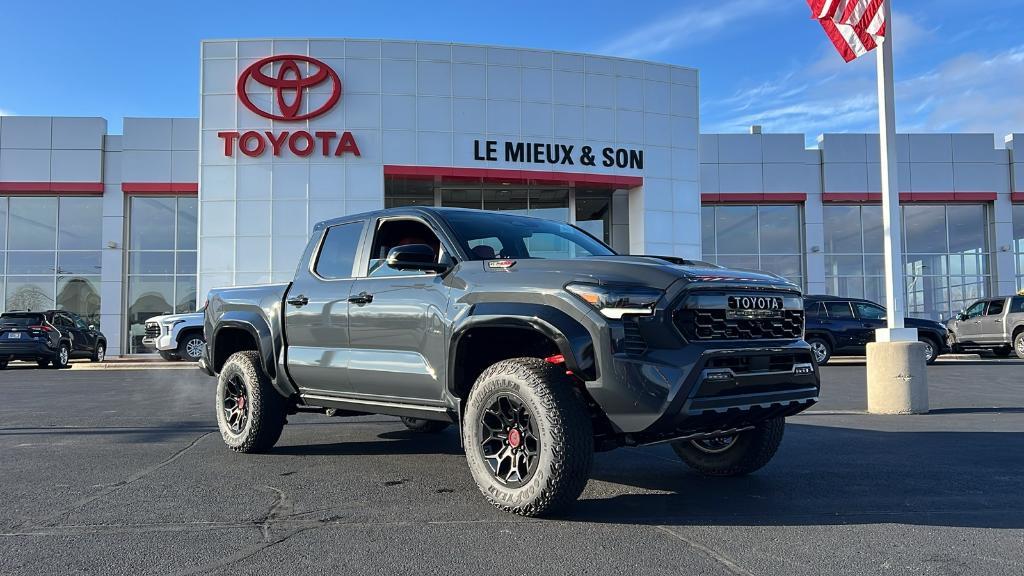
{"points": [[414, 257], [92, 326], [961, 316]]}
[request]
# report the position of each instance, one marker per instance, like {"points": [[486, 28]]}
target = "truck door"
{"points": [[990, 331], [316, 312], [397, 318], [968, 329]]}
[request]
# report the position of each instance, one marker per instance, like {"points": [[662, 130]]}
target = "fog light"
{"points": [[803, 369]]}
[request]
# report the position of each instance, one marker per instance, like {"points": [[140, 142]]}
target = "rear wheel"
{"points": [[821, 349], [734, 455], [190, 348], [61, 359], [421, 425], [528, 437], [250, 412]]}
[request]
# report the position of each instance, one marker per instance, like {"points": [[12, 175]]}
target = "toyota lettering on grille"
{"points": [[755, 303]]}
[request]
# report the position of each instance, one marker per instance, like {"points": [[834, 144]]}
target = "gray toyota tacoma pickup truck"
{"points": [[536, 340]]}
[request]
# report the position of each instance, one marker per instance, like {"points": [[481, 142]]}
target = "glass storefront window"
{"points": [[765, 238], [946, 255], [161, 262], [50, 253]]}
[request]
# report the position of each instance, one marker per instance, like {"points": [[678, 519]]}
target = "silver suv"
{"points": [[995, 324]]}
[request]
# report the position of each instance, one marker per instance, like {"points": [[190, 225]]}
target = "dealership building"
{"points": [[123, 227]]}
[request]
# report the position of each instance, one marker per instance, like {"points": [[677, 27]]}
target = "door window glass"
{"points": [[976, 309], [1017, 305], [839, 310], [870, 311], [393, 233], [338, 251], [995, 307]]}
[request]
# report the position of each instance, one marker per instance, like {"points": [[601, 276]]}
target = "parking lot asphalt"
{"points": [[123, 472]]}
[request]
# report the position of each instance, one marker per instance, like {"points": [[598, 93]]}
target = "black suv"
{"points": [[49, 338], [838, 326]]}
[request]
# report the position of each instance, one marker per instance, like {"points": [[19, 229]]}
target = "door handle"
{"points": [[997, 321], [361, 298], [298, 301]]}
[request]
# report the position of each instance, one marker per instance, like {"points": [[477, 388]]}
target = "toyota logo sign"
{"points": [[289, 85]]}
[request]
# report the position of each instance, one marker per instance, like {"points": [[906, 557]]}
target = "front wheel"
{"points": [[821, 349], [426, 426], [931, 350], [528, 437], [250, 412], [734, 455], [99, 354], [1018, 345], [191, 348]]}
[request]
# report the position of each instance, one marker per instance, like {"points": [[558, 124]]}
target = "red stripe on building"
{"points": [[1017, 197], [50, 188], [910, 197], [175, 188], [752, 197], [517, 176]]}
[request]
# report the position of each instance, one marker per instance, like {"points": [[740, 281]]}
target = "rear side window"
{"points": [[338, 251], [1017, 305], [839, 310], [995, 307], [21, 320]]}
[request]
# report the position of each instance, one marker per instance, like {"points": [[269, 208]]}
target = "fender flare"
{"points": [[572, 338], [258, 328]]}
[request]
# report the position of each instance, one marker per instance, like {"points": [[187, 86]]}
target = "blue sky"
{"points": [[959, 64]]}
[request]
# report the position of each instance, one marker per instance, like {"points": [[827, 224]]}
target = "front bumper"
{"points": [[706, 386], [27, 350]]}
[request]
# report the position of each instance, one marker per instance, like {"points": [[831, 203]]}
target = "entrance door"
{"points": [[397, 320], [316, 313]]}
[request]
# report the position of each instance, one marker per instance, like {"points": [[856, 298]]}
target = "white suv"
{"points": [[176, 336]]}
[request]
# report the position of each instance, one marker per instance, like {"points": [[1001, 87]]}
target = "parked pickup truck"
{"points": [[176, 336], [536, 340], [995, 324]]}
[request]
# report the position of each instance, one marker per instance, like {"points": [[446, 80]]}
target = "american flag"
{"points": [[855, 27]]}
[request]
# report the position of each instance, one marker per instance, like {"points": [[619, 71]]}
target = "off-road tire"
{"points": [[1018, 345], [751, 451], [425, 426], [564, 430], [267, 413], [168, 355], [183, 347], [812, 341]]}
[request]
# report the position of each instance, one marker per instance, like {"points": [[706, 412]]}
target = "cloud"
{"points": [[973, 92], [690, 26]]}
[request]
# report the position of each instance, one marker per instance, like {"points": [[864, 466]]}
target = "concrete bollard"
{"points": [[897, 378]]}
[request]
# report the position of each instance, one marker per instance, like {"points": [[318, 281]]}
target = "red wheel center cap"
{"points": [[241, 402], [514, 438]]}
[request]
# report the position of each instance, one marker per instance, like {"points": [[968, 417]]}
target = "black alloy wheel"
{"points": [[509, 439], [236, 404]]}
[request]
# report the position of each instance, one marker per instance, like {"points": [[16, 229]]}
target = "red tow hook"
{"points": [[557, 359]]}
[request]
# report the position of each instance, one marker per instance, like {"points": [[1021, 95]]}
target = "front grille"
{"points": [[152, 330], [760, 363], [633, 341], [714, 325]]}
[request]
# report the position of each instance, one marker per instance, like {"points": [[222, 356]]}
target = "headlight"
{"points": [[617, 301]]}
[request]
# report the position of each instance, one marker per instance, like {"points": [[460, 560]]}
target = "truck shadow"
{"points": [[823, 475]]}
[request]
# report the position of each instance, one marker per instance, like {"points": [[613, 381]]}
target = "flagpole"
{"points": [[897, 378]]}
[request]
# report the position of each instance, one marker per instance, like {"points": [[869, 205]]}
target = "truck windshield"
{"points": [[485, 236], [21, 320]]}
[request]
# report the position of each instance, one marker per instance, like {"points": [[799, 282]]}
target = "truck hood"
{"points": [[194, 317], [654, 271]]}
